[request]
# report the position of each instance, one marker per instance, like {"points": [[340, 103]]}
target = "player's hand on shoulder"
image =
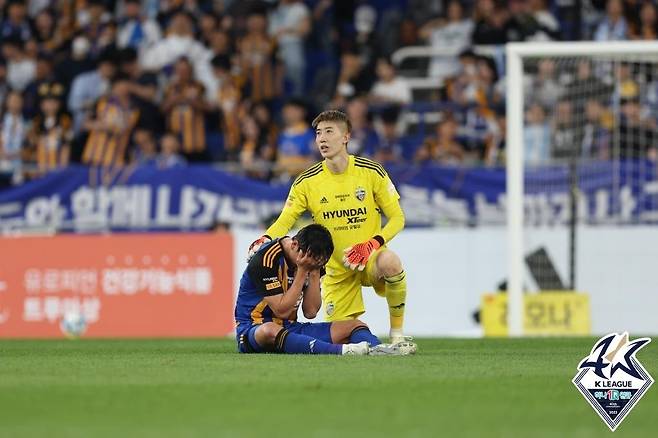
{"points": [[255, 246]]}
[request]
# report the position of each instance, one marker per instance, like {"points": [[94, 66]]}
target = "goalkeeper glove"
{"points": [[256, 244], [357, 256]]}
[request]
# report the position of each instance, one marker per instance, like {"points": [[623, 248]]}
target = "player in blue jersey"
{"points": [[282, 276]]}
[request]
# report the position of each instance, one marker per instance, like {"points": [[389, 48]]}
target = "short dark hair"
{"points": [[221, 61], [316, 239], [332, 116]]}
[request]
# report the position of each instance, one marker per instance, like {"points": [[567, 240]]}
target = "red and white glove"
{"points": [[357, 256], [256, 244]]}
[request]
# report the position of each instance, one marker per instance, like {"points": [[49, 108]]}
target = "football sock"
{"points": [[396, 293], [363, 333], [293, 343]]}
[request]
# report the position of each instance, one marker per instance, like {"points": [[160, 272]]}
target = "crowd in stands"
{"points": [[170, 82]]}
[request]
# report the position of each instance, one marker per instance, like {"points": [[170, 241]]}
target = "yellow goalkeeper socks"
{"points": [[396, 293]]}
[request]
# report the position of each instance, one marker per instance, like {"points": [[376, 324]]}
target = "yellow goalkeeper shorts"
{"points": [[341, 291]]}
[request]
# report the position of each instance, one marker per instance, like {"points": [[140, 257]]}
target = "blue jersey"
{"points": [[267, 274]]}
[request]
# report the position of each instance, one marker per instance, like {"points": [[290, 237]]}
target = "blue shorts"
{"points": [[247, 336]]}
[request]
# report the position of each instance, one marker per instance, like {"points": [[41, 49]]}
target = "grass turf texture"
{"points": [[180, 388]]}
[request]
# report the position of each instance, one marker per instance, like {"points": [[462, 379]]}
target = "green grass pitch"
{"points": [[183, 388]]}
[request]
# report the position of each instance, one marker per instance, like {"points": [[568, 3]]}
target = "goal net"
{"points": [[581, 168]]}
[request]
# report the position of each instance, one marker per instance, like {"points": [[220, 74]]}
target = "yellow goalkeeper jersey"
{"points": [[349, 205]]}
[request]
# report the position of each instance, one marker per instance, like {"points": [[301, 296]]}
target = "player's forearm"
{"points": [[282, 225], [282, 305], [395, 222], [312, 299]]}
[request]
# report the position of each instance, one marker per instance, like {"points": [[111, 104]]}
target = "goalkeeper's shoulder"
{"points": [[309, 174], [369, 167]]}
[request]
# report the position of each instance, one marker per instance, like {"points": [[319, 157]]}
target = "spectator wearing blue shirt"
{"points": [[169, 156], [88, 87], [296, 145], [614, 26], [363, 140]]}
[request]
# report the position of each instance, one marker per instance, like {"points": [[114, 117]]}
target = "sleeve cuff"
{"points": [[380, 239]]}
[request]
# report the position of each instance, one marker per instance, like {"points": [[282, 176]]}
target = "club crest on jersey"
{"points": [[612, 379], [360, 193], [329, 308]]}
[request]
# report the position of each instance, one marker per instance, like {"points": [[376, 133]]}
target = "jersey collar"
{"points": [[348, 170]]}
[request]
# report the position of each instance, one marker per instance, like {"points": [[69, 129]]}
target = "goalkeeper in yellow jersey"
{"points": [[347, 194]]}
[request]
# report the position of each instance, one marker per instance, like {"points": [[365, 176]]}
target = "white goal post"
{"points": [[516, 53]]}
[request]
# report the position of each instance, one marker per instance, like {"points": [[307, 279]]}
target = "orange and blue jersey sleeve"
{"points": [[265, 271]]}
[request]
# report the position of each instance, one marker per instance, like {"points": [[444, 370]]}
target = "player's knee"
{"points": [[267, 332], [389, 264], [357, 324]]}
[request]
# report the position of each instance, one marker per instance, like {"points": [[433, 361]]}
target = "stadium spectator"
{"points": [[68, 68], [52, 129], [462, 87], [453, 33], [135, 29], [169, 152], [44, 75], [15, 24], [564, 131], [614, 26], [111, 127], [289, 24], [221, 43], [544, 86], [586, 84], [227, 99], [256, 155], [636, 131], [627, 84], [536, 136], [13, 132], [45, 33], [364, 140], [390, 148], [88, 87], [646, 28], [179, 41], [529, 21], [597, 132], [444, 147], [296, 145], [20, 65], [98, 27], [549, 26], [353, 79], [364, 43], [185, 107], [389, 88], [491, 22], [144, 150], [144, 91], [258, 61]]}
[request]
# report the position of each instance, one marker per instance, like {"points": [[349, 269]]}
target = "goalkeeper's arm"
{"points": [[357, 256], [295, 206], [395, 216]]}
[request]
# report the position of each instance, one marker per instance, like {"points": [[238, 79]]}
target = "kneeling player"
{"points": [[284, 274]]}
